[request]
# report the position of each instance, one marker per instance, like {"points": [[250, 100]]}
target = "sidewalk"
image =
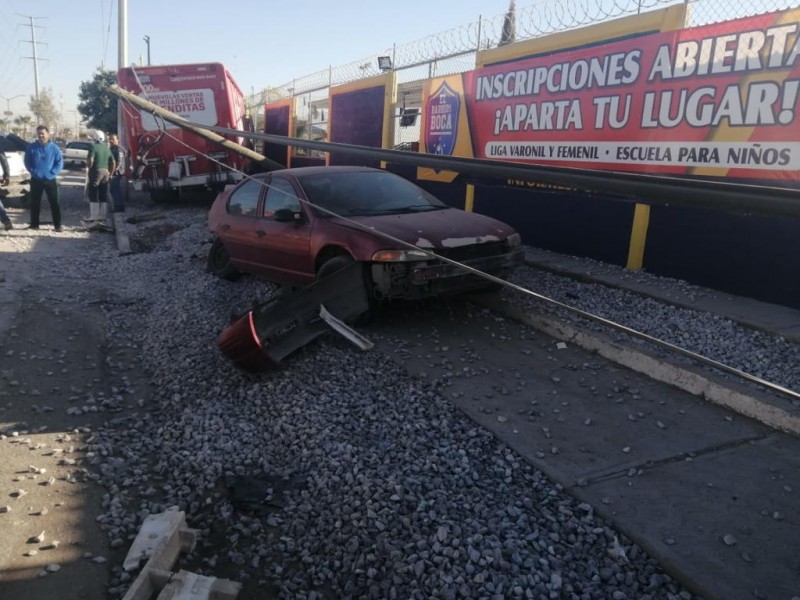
{"points": [[711, 494]]}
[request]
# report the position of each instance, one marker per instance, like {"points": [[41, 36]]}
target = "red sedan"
{"points": [[296, 225]]}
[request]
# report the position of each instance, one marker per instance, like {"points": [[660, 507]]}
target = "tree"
{"points": [[97, 105], [44, 109], [509, 26], [22, 123]]}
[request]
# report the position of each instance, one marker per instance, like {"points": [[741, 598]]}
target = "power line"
{"points": [[108, 29]]}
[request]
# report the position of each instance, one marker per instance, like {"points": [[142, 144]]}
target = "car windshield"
{"points": [[364, 193]]}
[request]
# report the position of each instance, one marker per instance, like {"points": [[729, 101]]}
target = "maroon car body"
{"points": [[295, 225]]}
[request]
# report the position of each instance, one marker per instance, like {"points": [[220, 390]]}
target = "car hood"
{"points": [[446, 228]]}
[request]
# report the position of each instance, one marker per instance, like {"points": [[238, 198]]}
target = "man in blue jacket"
{"points": [[44, 162]]}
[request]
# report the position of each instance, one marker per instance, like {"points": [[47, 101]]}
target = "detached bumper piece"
{"points": [[263, 337]]}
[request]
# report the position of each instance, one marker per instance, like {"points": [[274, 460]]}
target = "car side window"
{"points": [[280, 194], [244, 201]]}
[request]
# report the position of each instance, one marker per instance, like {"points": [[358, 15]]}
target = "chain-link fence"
{"points": [[454, 51]]}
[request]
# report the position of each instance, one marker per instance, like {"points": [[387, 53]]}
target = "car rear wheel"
{"points": [[340, 307], [219, 262]]}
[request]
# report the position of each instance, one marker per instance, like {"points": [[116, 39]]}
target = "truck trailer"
{"points": [[167, 159]]}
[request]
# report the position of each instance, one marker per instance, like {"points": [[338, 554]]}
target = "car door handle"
{"points": [[225, 227], [260, 233]]}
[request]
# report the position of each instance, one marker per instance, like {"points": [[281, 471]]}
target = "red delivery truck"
{"points": [[167, 159]]}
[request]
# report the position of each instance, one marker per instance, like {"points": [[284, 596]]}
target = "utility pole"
{"points": [[147, 41], [122, 62], [35, 56], [122, 34], [60, 114]]}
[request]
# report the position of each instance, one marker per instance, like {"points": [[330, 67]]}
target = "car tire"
{"points": [[219, 262], [332, 265], [335, 264]]}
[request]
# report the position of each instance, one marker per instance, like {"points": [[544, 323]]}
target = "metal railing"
{"points": [[453, 50]]}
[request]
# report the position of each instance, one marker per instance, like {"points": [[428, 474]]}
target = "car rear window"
{"points": [[79, 145]]}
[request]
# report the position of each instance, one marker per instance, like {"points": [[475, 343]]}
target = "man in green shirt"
{"points": [[99, 166]]}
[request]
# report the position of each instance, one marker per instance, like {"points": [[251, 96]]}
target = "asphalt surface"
{"points": [[713, 494]]}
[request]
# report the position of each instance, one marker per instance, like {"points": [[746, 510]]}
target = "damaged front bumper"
{"points": [[423, 279]]}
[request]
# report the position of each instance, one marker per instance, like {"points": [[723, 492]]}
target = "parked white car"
{"points": [[76, 153]]}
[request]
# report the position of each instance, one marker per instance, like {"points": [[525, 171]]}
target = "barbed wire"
{"points": [[541, 18], [453, 50]]}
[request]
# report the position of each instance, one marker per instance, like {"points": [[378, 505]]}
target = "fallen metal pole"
{"points": [[737, 198]]}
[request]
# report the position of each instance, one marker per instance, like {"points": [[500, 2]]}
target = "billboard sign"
{"points": [[718, 100]]}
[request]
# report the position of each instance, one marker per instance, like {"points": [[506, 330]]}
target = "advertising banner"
{"points": [[196, 106], [278, 121], [719, 100], [357, 117]]}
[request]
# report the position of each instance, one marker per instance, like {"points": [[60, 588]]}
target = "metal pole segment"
{"points": [[739, 198]]}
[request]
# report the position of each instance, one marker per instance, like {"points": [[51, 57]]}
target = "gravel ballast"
{"points": [[770, 357], [376, 485]]}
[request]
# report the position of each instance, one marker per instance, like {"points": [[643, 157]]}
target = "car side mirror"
{"points": [[287, 215]]}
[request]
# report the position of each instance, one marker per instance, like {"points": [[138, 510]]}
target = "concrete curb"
{"points": [[123, 243], [684, 379]]}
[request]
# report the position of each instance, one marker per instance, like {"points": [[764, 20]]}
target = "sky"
{"points": [[263, 43]]}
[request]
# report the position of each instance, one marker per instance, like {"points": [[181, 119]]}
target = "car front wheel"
{"points": [[219, 262]]}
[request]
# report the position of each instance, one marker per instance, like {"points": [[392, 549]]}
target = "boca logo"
{"points": [[442, 120]]}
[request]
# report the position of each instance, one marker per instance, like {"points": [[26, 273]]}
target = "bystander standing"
{"points": [[44, 162], [119, 180], [99, 166]]}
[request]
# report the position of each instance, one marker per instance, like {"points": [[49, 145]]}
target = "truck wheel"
{"points": [[331, 266], [219, 263]]}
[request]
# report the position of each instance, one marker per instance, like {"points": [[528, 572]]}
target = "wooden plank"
{"points": [[191, 586], [161, 539], [147, 584]]}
